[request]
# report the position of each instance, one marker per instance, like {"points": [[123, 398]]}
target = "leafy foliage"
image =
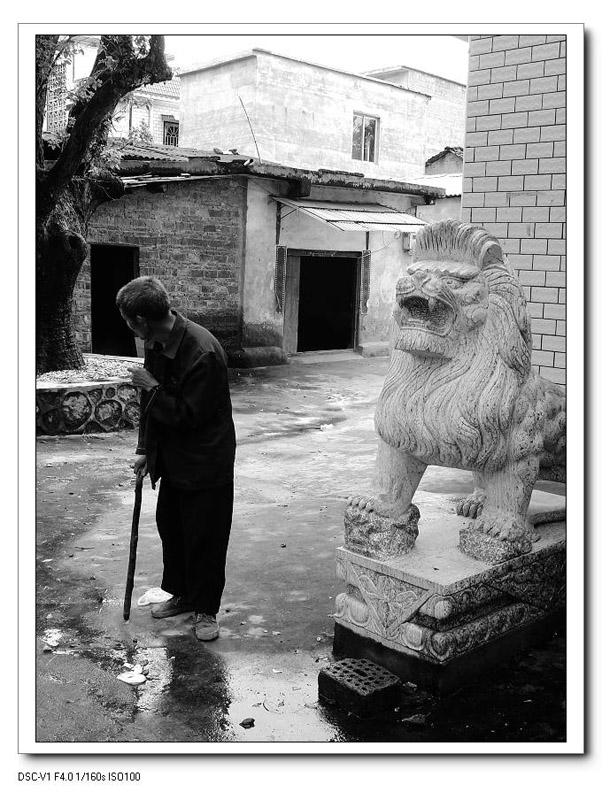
{"points": [[82, 176]]}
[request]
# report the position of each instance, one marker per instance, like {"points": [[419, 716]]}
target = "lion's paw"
{"points": [[362, 503], [372, 530], [380, 506], [501, 526], [471, 506]]}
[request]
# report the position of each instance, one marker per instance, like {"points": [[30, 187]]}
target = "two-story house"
{"points": [[289, 111]]}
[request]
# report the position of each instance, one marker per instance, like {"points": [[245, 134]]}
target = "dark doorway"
{"points": [[111, 267], [327, 303]]}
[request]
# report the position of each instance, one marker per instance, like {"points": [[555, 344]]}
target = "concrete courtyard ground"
{"points": [[305, 442]]}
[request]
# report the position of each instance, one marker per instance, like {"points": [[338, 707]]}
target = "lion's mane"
{"points": [[463, 412]]}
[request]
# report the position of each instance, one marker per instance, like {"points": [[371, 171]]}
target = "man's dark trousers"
{"points": [[194, 527]]}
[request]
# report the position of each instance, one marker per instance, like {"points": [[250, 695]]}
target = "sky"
{"points": [[442, 55]]}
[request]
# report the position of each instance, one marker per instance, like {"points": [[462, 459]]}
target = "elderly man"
{"points": [[186, 439]]}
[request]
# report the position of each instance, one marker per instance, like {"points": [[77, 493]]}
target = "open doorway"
{"points": [[327, 302], [111, 267]]}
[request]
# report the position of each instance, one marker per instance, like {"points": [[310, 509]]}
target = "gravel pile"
{"points": [[96, 368]]}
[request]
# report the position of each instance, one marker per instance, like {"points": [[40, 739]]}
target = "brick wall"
{"points": [[515, 172], [192, 238]]}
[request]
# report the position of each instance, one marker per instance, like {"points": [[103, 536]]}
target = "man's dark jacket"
{"points": [[186, 428]]}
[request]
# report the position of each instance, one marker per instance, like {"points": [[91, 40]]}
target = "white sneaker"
{"points": [[205, 627]]}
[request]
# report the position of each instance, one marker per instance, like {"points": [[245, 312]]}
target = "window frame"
{"points": [[166, 123], [365, 117]]}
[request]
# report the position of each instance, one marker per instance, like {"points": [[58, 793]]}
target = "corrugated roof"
{"points": [[137, 181], [452, 183], [355, 216]]}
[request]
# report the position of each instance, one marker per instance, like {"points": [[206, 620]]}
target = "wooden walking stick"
{"points": [[129, 584]]}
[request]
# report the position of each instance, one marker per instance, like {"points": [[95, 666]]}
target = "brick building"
{"points": [[515, 172], [272, 259], [294, 112]]}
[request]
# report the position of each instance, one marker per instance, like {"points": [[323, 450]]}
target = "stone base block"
{"points": [[475, 543], [440, 610], [359, 686], [447, 677], [376, 536]]}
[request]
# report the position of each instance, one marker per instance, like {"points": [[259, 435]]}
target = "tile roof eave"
{"points": [[211, 167]]}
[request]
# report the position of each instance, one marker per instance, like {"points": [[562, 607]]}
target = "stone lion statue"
{"points": [[460, 392]]}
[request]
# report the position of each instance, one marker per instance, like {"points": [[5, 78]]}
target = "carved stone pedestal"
{"points": [[440, 618]]}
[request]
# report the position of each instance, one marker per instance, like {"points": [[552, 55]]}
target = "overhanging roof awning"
{"points": [[355, 216]]}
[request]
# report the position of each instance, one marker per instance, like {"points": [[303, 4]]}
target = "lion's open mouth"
{"points": [[426, 313]]}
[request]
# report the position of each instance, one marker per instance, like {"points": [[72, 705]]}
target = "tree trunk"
{"points": [[61, 251], [68, 192]]}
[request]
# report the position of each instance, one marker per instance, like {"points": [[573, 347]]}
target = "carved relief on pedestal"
{"points": [[401, 614], [444, 645], [453, 606], [379, 603], [541, 583]]}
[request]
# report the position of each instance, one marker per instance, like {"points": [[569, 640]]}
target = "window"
{"points": [[365, 130], [171, 131], [56, 102]]}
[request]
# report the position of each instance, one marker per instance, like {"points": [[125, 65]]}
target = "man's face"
{"points": [[138, 325]]}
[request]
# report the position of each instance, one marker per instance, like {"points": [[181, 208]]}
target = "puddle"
{"points": [[159, 677], [284, 705]]}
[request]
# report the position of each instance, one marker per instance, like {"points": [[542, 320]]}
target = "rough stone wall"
{"points": [[302, 115], [211, 112], [192, 238], [515, 172], [445, 113], [307, 118]]}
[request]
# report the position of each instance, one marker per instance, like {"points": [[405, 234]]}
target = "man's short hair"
{"points": [[144, 297]]}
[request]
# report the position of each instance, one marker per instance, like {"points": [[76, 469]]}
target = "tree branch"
{"points": [[118, 70], [46, 47]]}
